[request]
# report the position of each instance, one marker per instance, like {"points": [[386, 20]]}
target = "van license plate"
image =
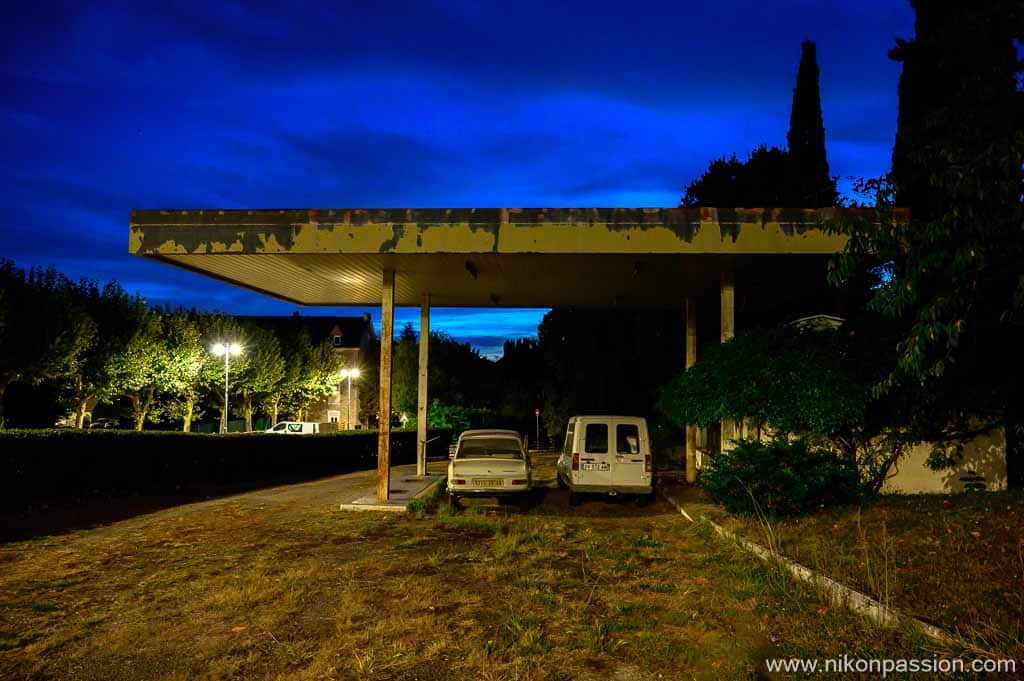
{"points": [[596, 467], [488, 482]]}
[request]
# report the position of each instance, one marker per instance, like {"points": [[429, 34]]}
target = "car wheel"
{"points": [[561, 482], [574, 499], [453, 503], [642, 500]]}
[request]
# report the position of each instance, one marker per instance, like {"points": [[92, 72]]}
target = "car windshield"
{"points": [[489, 447]]}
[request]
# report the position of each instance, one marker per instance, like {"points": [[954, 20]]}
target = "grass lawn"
{"points": [[280, 584], [956, 561]]}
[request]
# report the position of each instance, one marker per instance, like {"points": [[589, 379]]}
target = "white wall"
{"points": [[984, 461]]}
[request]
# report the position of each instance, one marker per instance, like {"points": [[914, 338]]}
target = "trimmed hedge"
{"points": [[53, 466]]}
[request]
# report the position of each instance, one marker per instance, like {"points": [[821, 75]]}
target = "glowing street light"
{"points": [[349, 374], [225, 351]]}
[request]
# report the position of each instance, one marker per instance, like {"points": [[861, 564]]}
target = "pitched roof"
{"points": [[353, 331]]}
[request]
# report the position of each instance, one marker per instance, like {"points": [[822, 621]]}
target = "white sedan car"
{"points": [[488, 463]]}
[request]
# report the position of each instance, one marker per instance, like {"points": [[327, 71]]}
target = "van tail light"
{"points": [[647, 463], [575, 461], [458, 481], [519, 482]]}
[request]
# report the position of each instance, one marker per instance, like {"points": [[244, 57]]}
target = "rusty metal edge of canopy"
{"points": [[489, 230]]}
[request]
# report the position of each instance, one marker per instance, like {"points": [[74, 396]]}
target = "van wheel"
{"points": [[561, 483], [453, 503], [642, 500], [574, 499]]}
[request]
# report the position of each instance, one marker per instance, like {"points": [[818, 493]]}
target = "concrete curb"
{"points": [[429, 489], [393, 505], [836, 593]]}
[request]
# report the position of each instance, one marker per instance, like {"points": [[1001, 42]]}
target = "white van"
{"points": [[294, 428], [607, 455]]}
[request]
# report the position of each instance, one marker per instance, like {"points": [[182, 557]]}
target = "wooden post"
{"points": [[728, 325], [421, 392], [691, 359], [387, 331]]}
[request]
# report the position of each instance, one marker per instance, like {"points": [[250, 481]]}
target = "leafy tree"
{"points": [[263, 371], [44, 328], [316, 374], [519, 378], [116, 317], [405, 371], [140, 370], [792, 382], [219, 328], [186, 358], [951, 287], [584, 371], [369, 388], [813, 186]]}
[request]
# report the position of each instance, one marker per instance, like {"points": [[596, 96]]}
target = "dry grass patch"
{"points": [[307, 592], [954, 561]]}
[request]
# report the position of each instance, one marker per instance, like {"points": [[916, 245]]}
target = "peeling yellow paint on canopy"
{"points": [[488, 257]]}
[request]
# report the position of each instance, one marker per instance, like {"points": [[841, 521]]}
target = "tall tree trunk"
{"points": [[248, 412], [80, 406], [275, 404], [3, 389], [138, 411], [190, 405], [143, 408]]}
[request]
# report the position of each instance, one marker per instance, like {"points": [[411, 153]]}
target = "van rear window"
{"points": [[597, 438], [627, 438]]}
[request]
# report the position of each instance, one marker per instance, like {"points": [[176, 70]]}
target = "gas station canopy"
{"points": [[494, 257]]}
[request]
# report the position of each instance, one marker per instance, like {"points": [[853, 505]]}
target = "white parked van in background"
{"points": [[295, 428], [608, 455]]}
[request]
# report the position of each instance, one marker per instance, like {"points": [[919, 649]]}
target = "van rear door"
{"points": [[597, 455], [629, 452]]}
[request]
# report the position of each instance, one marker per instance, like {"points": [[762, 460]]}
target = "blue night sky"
{"points": [[107, 107]]}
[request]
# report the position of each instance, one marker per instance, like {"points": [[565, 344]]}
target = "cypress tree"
{"points": [[806, 135], [958, 95]]}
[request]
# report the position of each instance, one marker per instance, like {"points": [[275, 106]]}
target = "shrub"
{"points": [[780, 477]]}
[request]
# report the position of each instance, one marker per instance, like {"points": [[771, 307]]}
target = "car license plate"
{"points": [[488, 482], [596, 467]]}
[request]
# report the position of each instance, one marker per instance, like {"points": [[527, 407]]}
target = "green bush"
{"points": [[780, 478]]}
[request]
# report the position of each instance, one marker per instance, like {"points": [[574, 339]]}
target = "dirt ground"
{"points": [[280, 584]]}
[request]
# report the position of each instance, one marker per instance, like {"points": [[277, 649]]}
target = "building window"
{"points": [[334, 416], [337, 340]]}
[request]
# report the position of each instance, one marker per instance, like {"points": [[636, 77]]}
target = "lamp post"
{"points": [[225, 350], [349, 374]]}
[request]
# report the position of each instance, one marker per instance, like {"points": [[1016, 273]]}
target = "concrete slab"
{"points": [[403, 489]]}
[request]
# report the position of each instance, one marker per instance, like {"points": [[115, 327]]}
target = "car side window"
{"points": [[567, 447], [597, 438], [294, 427], [279, 427], [627, 438]]}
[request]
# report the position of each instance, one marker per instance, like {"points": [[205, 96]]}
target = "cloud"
{"points": [[127, 105]]}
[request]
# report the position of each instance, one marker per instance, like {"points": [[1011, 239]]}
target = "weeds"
{"points": [[600, 637]]}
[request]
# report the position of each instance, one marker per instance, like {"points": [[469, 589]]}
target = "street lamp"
{"points": [[349, 374], [225, 351]]}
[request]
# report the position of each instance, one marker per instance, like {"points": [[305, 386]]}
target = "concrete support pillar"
{"points": [[728, 325], [387, 332], [421, 392], [691, 359]]}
